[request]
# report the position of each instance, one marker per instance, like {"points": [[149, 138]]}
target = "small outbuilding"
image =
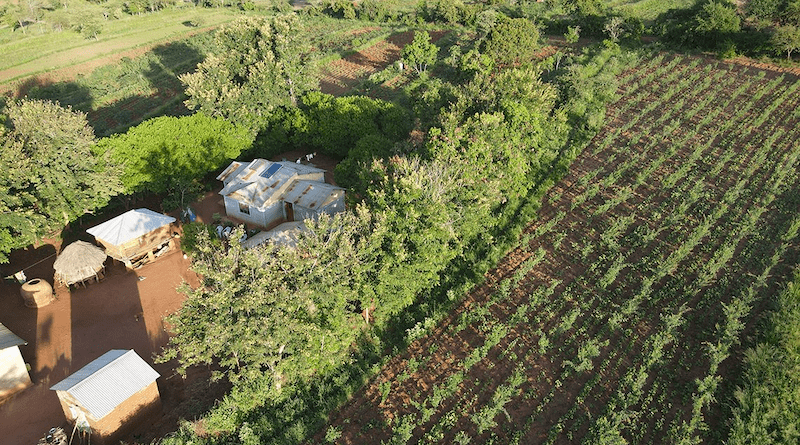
{"points": [[78, 263], [139, 234], [13, 371], [109, 395], [283, 235], [265, 193]]}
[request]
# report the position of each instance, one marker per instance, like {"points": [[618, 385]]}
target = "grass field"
{"points": [[618, 312], [646, 9], [46, 52], [121, 91]]}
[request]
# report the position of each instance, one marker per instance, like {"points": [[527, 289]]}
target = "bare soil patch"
{"points": [[125, 310], [340, 76]]}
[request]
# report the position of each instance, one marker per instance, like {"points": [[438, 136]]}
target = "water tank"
{"points": [[37, 293]]}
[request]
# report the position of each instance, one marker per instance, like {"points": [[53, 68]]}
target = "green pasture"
{"points": [[44, 52], [647, 9]]}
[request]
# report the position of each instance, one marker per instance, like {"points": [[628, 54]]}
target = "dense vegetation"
{"points": [[614, 316], [618, 314], [767, 408]]}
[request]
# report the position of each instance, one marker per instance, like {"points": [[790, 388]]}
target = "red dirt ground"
{"points": [[124, 311], [340, 76]]}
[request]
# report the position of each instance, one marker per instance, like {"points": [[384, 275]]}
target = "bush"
{"points": [[192, 232]]}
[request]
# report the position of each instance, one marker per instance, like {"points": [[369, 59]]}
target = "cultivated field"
{"points": [[618, 311], [68, 51]]}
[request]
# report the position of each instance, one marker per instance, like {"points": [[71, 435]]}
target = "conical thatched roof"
{"points": [[78, 262]]}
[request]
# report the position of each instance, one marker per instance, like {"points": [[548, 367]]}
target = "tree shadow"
{"points": [[161, 67], [68, 94]]}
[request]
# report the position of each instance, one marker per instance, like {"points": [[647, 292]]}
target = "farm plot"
{"points": [[617, 313], [340, 76]]}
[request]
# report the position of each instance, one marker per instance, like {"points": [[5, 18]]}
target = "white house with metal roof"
{"points": [[109, 394], [13, 372], [264, 193]]}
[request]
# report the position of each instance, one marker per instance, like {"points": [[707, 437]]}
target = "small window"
{"points": [[244, 208]]}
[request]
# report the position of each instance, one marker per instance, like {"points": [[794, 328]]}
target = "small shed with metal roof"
{"points": [[264, 193], [285, 234], [13, 371], [136, 234], [107, 396]]}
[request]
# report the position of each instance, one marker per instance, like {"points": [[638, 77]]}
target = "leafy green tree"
{"points": [[585, 7], [573, 34], [420, 214], [787, 39], [420, 53], [374, 10], [512, 41], [166, 154], [764, 9], [286, 313], [333, 125], [615, 27], [259, 64], [88, 26], [51, 174], [19, 222], [443, 11], [792, 12], [718, 21]]}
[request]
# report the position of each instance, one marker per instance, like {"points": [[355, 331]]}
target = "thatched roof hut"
{"points": [[79, 262]]}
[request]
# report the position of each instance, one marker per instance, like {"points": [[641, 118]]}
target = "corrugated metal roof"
{"points": [[230, 171], [8, 339], [130, 225], [284, 234], [311, 194], [108, 381], [248, 186]]}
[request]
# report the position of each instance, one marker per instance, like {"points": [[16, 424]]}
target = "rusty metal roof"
{"points": [[109, 380], [312, 194], [260, 184]]}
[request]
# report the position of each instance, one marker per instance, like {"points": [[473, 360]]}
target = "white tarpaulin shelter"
{"points": [[133, 234], [129, 226]]}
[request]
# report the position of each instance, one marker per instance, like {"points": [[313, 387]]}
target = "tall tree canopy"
{"points": [[259, 64], [165, 153], [50, 173], [285, 313], [420, 53], [512, 41]]}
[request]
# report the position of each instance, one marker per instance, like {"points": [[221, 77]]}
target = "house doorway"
{"points": [[289, 212]]}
